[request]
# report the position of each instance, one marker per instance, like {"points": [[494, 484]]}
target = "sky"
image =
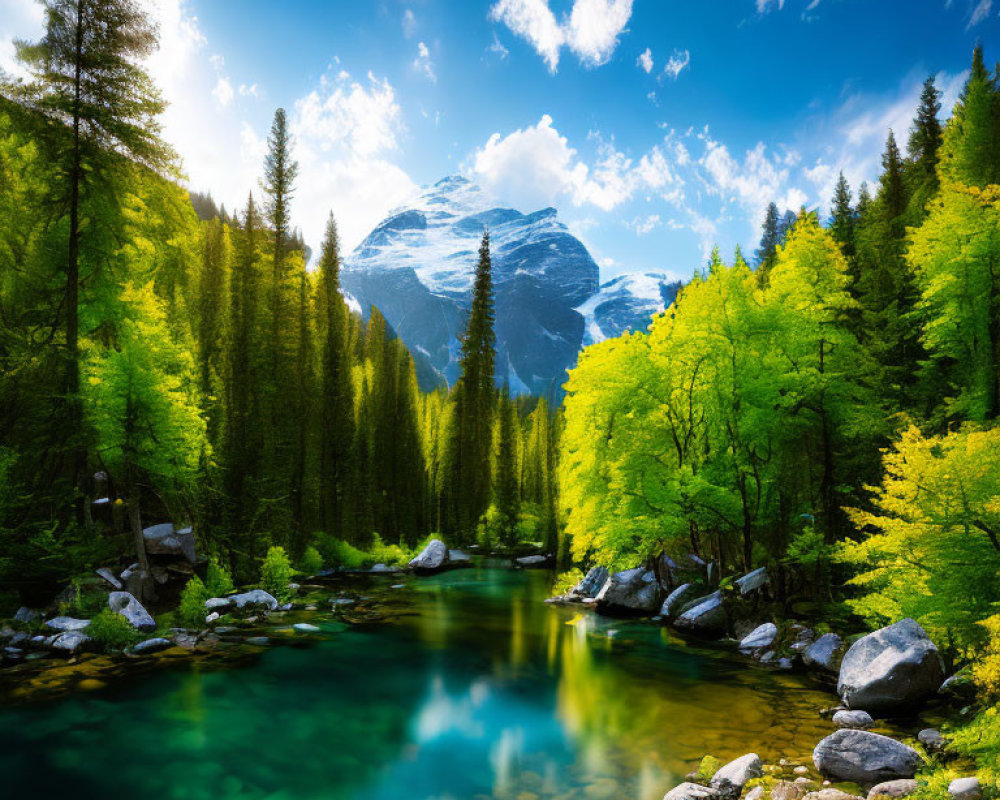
{"points": [[657, 128]]}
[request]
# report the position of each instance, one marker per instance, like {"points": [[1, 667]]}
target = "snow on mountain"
{"points": [[626, 303]]}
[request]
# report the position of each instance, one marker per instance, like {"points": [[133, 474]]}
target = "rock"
{"points": [[690, 791], [752, 581], [730, 779], [675, 600], [859, 720], [801, 770], [130, 608], [931, 739], [12, 654], [864, 757], [965, 789], [218, 603], [706, 615], [592, 583], [27, 615], [960, 687], [756, 793], [527, 562], [804, 638], [432, 558], [285, 607], [341, 601], [458, 557], [825, 653], [830, 794], [258, 641], [786, 790], [633, 591], [165, 540], [759, 638], [212, 617], [254, 599], [892, 669], [70, 642], [305, 627], [897, 788], [785, 663], [109, 576], [66, 624], [128, 571], [152, 646], [381, 568]]}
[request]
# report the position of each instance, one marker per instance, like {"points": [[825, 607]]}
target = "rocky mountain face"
{"points": [[417, 268]]}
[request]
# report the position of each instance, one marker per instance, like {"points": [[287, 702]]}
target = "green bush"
{"points": [[218, 581], [566, 581], [112, 631], [192, 607], [339, 553], [311, 561], [389, 554], [707, 768], [276, 572]]}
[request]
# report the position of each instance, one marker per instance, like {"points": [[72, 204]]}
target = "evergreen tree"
{"points": [[508, 500], [842, 218], [923, 151], [769, 240], [302, 410], [211, 300], [970, 153]]}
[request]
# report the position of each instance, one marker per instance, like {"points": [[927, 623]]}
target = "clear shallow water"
{"points": [[482, 692]]}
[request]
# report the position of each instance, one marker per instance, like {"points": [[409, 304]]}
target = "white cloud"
{"points": [[498, 48], [591, 30], [979, 13], [223, 91], [248, 91], [423, 64], [22, 19], [677, 63], [409, 23], [763, 6], [644, 225], [645, 61]]}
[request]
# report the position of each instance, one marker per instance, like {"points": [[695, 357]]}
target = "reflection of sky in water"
{"points": [[486, 693]]}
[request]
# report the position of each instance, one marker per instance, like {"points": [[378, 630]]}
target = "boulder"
{"points": [[592, 583], [432, 558], [690, 791], [829, 793], [676, 600], [931, 739], [756, 793], [27, 615], [965, 789], [109, 576], [759, 638], [859, 720], [666, 568], [731, 778], [165, 540], [218, 603], [634, 591], [69, 643], [213, 617], [255, 599], [66, 624], [152, 646], [865, 758], [897, 788], [787, 790], [529, 562], [381, 568], [825, 653], [705, 615], [130, 608], [306, 627], [752, 581], [892, 669], [804, 638], [959, 688]]}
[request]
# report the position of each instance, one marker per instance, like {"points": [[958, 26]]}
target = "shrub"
{"points": [[192, 606], [276, 572], [566, 581], [112, 631], [339, 553], [311, 561], [389, 554], [218, 581], [707, 768]]}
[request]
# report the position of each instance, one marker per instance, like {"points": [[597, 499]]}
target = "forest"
{"points": [[828, 407]]}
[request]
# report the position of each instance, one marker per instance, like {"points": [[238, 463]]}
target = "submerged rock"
{"points": [[825, 653], [432, 558], [705, 615], [634, 590], [730, 779], [125, 604], [892, 669], [306, 627], [528, 562], [864, 757]]}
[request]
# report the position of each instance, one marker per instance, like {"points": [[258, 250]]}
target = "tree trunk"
{"points": [[72, 293]]}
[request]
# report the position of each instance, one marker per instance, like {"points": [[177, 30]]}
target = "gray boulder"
{"points": [[27, 615], [66, 624], [752, 581], [864, 757], [825, 653], [897, 788], [152, 646], [69, 643], [675, 600], [931, 739], [690, 791], [759, 638], [432, 558], [165, 540], [130, 608], [219, 604], [965, 789], [859, 720], [592, 583], [109, 576], [529, 562], [255, 599], [731, 778], [892, 669], [635, 591], [705, 615]]}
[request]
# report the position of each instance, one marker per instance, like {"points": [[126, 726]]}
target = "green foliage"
{"points": [[111, 630], [707, 768], [218, 581], [339, 553], [191, 610], [276, 572], [566, 581], [311, 561]]}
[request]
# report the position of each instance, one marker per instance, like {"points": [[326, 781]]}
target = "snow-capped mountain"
{"points": [[417, 267], [626, 304]]}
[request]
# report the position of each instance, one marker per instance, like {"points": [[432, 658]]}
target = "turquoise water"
{"points": [[482, 691]]}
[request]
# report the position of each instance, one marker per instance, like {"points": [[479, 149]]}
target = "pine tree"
{"points": [[211, 300], [971, 144], [769, 240], [923, 151], [98, 105], [302, 411], [842, 218]]}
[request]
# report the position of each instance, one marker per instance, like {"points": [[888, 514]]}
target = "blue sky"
{"points": [[656, 127]]}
